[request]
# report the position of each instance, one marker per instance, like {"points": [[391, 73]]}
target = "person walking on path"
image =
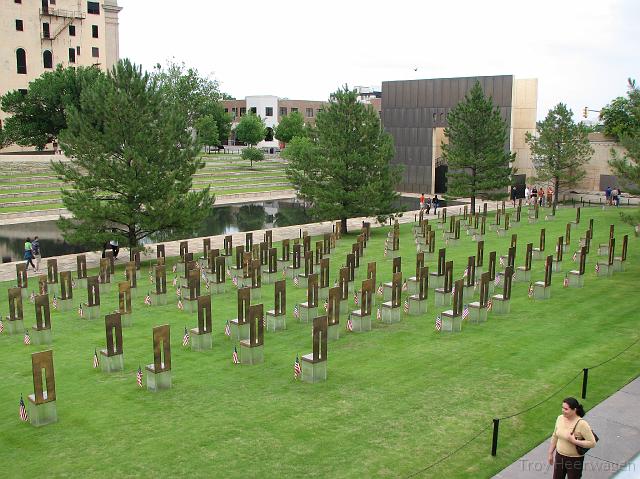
{"points": [[607, 196], [435, 204], [513, 195], [422, 201], [35, 247], [527, 194], [616, 196], [570, 431], [28, 254], [427, 204]]}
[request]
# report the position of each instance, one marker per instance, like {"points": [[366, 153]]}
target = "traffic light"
{"points": [[584, 112]]}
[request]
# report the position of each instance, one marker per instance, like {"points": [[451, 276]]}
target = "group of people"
{"points": [[533, 195], [426, 203], [612, 196], [31, 252]]}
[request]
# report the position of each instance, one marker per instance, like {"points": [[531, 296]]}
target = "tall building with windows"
{"points": [[37, 35]]}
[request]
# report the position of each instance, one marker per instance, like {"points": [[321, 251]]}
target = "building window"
{"points": [[78, 50], [294, 110], [283, 111], [268, 111], [243, 111], [72, 30], [18, 1], [23, 91], [226, 110], [47, 59], [45, 30], [309, 112], [52, 2], [94, 31], [21, 61], [95, 52], [234, 112], [19, 26], [254, 110], [72, 55], [93, 8], [268, 134]]}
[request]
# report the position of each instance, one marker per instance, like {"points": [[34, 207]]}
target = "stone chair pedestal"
{"points": [[111, 364], [557, 266], [307, 313], [451, 323], [200, 342], [333, 332], [476, 313], [390, 314], [313, 372], [605, 270], [42, 414], [157, 381], [276, 322], [442, 298], [158, 299], [416, 306], [522, 275], [41, 337], [500, 305], [436, 281], [618, 264], [251, 355], [65, 304], [540, 291], [576, 280], [239, 331], [360, 323], [15, 327]]}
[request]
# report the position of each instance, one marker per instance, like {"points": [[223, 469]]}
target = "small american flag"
{"points": [[597, 268], [379, 315], [175, 268], [380, 290], [179, 292], [575, 256], [296, 312], [73, 283], [284, 272], [355, 297], [175, 281], [438, 323], [530, 290], [139, 377], [296, 280], [27, 338], [206, 284], [150, 277], [501, 261], [349, 324], [23, 411], [405, 286], [565, 282], [185, 338], [1, 326], [326, 305], [227, 329], [96, 361], [473, 237], [228, 271], [81, 311], [32, 297], [489, 304], [496, 281], [386, 251], [297, 370], [235, 356], [235, 281], [147, 300], [406, 306], [204, 275], [465, 312], [180, 305], [335, 283]]}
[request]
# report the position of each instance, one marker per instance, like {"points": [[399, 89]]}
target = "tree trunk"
{"points": [[473, 204], [343, 225], [133, 242], [556, 187]]}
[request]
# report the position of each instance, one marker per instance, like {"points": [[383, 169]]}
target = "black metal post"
{"points": [[300, 232], [585, 378], [494, 441]]}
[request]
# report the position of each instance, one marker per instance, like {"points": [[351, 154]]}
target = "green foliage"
{"points": [[194, 95], [252, 154], [475, 148], [621, 117], [559, 149], [346, 172], [132, 162], [250, 129], [207, 130], [38, 117], [290, 126], [627, 166]]}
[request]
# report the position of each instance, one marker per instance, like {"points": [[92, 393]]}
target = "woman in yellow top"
{"points": [[570, 431]]}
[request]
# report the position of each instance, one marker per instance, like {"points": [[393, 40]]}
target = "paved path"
{"points": [[616, 420]]}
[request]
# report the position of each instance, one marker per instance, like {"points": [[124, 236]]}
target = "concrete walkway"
{"points": [[616, 420]]}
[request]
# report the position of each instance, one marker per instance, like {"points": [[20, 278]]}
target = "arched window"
{"points": [[21, 61], [47, 59]]}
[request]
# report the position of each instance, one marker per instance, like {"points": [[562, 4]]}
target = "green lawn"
{"points": [[397, 399]]}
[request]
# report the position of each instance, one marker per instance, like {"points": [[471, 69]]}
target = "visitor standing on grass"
{"points": [[570, 431], [607, 196], [513, 195], [28, 254], [435, 203], [527, 194], [427, 204], [35, 248]]}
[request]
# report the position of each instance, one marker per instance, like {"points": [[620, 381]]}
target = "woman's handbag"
{"points": [[583, 450]]}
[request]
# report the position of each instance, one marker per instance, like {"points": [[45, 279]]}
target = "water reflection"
{"points": [[221, 220]]}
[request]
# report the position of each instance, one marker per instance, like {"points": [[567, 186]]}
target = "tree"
{"points": [[475, 152], [207, 130], [346, 173], [252, 154], [621, 117], [195, 95], [559, 148], [132, 161], [250, 129], [38, 117], [289, 127], [627, 166]]}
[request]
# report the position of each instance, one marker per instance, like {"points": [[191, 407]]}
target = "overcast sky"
{"points": [[581, 51]]}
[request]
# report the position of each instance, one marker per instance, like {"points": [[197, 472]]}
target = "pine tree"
{"points": [[132, 161], [559, 149], [475, 150], [346, 171]]}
